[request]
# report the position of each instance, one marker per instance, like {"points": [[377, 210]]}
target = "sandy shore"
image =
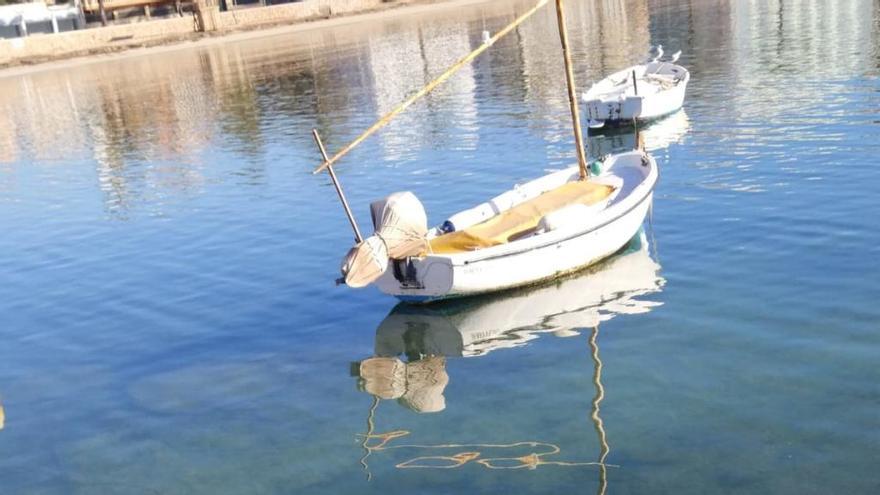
{"points": [[413, 7]]}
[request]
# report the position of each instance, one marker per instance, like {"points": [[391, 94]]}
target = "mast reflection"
{"points": [[604, 449]]}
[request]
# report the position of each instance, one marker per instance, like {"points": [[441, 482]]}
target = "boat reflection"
{"points": [[417, 384], [424, 336], [657, 135], [475, 327], [413, 344]]}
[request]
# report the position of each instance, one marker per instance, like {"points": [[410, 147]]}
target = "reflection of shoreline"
{"points": [[149, 125]]}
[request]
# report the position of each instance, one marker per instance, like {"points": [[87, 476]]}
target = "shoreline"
{"points": [[194, 40]]}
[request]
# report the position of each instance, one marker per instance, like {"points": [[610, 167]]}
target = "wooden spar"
{"points": [[357, 233], [572, 92], [382, 122], [635, 85]]}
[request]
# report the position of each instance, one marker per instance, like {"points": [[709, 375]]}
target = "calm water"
{"points": [[170, 324]]}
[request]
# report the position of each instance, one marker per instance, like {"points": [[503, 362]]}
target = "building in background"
{"points": [[23, 19]]}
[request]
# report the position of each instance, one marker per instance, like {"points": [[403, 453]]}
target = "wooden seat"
{"points": [[520, 219]]}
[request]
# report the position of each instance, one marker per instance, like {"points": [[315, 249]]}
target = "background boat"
{"points": [[640, 93]]}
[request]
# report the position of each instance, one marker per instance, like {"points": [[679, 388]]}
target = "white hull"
{"points": [[538, 257], [659, 90]]}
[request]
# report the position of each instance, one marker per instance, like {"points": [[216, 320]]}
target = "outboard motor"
{"points": [[401, 226]]}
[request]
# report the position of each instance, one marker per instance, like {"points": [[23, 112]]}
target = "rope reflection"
{"points": [[469, 454]]}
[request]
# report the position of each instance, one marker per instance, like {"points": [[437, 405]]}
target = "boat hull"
{"points": [[541, 264]]}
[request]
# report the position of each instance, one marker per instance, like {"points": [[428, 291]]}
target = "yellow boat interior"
{"points": [[520, 220]]}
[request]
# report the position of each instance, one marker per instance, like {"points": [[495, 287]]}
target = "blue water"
{"points": [[169, 319]]}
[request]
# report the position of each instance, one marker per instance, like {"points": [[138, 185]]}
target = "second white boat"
{"points": [[641, 92]]}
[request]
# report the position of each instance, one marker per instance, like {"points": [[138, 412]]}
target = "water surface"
{"points": [[170, 324]]}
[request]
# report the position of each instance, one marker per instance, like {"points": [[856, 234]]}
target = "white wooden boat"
{"points": [[641, 92], [479, 250]]}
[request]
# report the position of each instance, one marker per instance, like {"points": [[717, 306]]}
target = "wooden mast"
{"points": [[572, 91], [382, 122]]}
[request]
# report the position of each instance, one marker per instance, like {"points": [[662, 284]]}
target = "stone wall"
{"points": [[273, 13], [111, 38], [308, 9], [43, 46]]}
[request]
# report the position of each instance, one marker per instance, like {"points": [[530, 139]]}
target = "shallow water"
{"points": [[170, 324]]}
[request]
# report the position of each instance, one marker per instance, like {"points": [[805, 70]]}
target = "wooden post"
{"points": [[635, 86], [357, 233], [636, 133], [572, 92], [103, 12], [207, 14]]}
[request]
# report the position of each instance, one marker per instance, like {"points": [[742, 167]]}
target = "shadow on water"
{"points": [[413, 343]]}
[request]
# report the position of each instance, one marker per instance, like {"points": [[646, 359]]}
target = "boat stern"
{"points": [[418, 279], [612, 110]]}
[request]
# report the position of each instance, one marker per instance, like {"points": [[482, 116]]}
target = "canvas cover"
{"points": [[402, 230]]}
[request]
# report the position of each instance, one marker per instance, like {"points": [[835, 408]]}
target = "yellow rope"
{"points": [[430, 86]]}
